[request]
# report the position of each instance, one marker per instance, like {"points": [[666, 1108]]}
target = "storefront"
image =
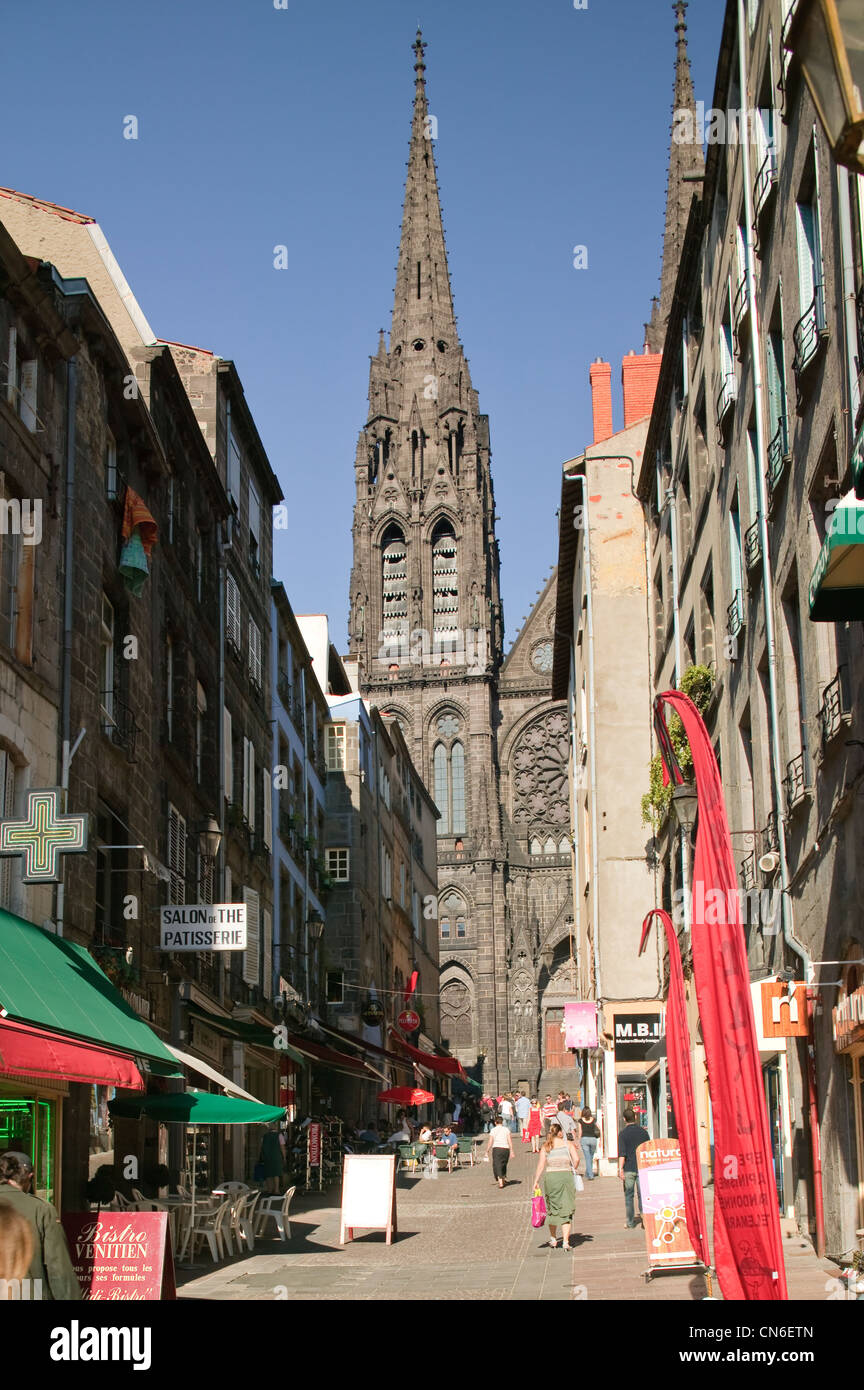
{"points": [[634, 1076], [847, 1026], [780, 1014]]}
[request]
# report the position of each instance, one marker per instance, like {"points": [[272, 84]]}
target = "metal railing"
{"points": [[778, 453], [752, 546], [285, 689], [119, 723], [735, 614], [808, 331], [795, 781], [740, 304], [727, 394], [747, 870], [765, 181], [835, 706], [770, 835]]}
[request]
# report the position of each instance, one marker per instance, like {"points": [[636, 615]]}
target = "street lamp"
{"points": [[315, 924], [827, 37], [685, 804], [209, 838]]}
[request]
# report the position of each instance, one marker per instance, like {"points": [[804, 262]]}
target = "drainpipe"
{"points": [[672, 503], [770, 636], [845, 219], [68, 603]]}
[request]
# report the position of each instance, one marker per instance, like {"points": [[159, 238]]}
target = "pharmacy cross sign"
{"points": [[42, 835]]}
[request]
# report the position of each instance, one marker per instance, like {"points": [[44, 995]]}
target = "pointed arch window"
{"points": [[394, 575], [448, 766], [445, 586]]}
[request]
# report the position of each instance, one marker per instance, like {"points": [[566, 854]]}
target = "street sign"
{"points": [[203, 927], [43, 834], [408, 1021]]}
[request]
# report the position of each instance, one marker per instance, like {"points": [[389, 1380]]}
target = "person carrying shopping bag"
{"points": [[556, 1165]]}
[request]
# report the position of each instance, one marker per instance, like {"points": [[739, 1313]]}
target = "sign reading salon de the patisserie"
{"points": [[204, 927]]}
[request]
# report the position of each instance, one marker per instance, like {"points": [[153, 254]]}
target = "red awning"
{"points": [[446, 1066], [329, 1057], [29, 1051]]}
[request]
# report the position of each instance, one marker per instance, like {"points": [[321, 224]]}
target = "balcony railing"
{"points": [[752, 546], [740, 305], [735, 614], [808, 333], [119, 724], [747, 870], [284, 688], [766, 180], [770, 835], [778, 455], [727, 394], [835, 706], [795, 781]]}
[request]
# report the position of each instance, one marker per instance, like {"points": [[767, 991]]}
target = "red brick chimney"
{"points": [[639, 380], [600, 376]]}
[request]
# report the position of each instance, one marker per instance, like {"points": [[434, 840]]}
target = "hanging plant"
{"points": [[698, 683]]}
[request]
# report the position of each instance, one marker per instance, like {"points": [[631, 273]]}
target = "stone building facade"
{"points": [[426, 629], [751, 446]]}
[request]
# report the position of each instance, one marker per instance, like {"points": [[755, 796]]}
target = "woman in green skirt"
{"points": [[558, 1160]]}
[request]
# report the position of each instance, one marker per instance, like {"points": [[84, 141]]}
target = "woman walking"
{"points": [[558, 1160], [590, 1140], [535, 1125], [501, 1145]]}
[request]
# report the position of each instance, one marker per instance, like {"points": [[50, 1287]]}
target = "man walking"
{"points": [[550, 1111], [523, 1110], [629, 1139]]}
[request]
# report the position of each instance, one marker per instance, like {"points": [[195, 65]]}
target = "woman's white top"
{"points": [[500, 1137]]}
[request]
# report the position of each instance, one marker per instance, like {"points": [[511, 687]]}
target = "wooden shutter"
{"points": [[232, 611], [176, 855], [12, 368], [776, 404], [27, 408], [229, 885], [806, 254], [251, 956], [249, 782], [228, 751], [267, 941], [268, 807], [255, 652]]}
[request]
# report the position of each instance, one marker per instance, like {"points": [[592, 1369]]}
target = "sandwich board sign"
{"points": [[121, 1256], [368, 1195], [664, 1215]]}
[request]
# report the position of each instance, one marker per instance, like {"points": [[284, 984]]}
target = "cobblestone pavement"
{"points": [[461, 1237]]}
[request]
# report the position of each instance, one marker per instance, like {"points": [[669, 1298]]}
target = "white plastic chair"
{"points": [[243, 1221], [211, 1226], [276, 1209], [230, 1188]]}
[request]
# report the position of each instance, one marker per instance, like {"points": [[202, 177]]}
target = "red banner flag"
{"points": [[681, 1081], [748, 1250], [411, 986]]}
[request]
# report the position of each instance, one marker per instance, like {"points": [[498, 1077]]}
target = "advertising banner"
{"points": [[661, 1195], [580, 1025], [203, 927], [314, 1142], [121, 1256]]}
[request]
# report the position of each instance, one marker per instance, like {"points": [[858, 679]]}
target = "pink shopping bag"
{"points": [[538, 1208]]}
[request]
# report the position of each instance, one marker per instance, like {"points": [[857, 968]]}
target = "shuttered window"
{"points": [[808, 253], [267, 941], [249, 782], [251, 956], [228, 741], [775, 375], [255, 652], [268, 807], [232, 612], [176, 856]]}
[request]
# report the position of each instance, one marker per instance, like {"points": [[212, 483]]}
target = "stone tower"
{"points": [[426, 628]]}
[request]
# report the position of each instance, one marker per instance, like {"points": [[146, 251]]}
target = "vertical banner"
{"points": [[681, 1083], [748, 1249], [314, 1142], [580, 1025], [664, 1209]]}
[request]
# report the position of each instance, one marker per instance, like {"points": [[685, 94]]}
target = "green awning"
{"points": [[251, 1033], [196, 1108], [837, 585], [49, 981]]}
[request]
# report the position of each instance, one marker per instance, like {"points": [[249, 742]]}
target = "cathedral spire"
{"points": [[423, 304], [686, 168]]}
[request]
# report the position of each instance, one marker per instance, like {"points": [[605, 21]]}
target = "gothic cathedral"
{"points": [[427, 628]]}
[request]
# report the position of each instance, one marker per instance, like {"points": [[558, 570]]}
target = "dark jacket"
{"points": [[51, 1263]]}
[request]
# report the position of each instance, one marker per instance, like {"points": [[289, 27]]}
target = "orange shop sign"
{"points": [[784, 1009], [848, 1020]]}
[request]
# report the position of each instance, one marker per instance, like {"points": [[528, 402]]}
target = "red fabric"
{"points": [[29, 1051], [446, 1066], [135, 513], [329, 1056], [412, 985], [748, 1250], [681, 1080]]}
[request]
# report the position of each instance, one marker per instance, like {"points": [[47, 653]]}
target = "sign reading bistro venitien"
{"points": [[204, 927]]}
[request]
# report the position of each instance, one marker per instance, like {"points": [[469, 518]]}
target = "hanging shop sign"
{"points": [[373, 1014], [121, 1255], [580, 1025], [203, 927], [43, 835], [408, 1021], [847, 1020], [636, 1035], [784, 1009]]}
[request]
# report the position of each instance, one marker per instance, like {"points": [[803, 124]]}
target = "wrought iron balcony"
{"points": [[770, 835], [283, 686], [795, 781], [747, 870], [752, 546], [835, 706], [119, 723], [766, 180], [778, 455], [727, 394], [740, 305], [735, 614], [808, 333]]}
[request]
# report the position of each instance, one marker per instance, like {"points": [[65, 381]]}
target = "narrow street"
{"points": [[461, 1238]]}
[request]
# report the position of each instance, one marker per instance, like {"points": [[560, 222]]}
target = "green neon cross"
{"points": [[42, 835]]}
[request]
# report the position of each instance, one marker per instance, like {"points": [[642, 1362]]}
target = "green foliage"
{"points": [[697, 682]]}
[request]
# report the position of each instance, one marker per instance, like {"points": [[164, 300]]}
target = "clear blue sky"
{"points": [[260, 127]]}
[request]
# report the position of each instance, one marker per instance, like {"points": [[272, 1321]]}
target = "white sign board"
{"points": [[368, 1194], [203, 927]]}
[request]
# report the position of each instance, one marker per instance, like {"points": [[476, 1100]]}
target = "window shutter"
{"points": [[806, 258], [267, 934], [227, 739], [229, 885], [773, 347], [268, 807], [255, 652], [249, 782], [29, 379], [232, 611], [735, 550], [252, 953], [12, 370], [176, 856]]}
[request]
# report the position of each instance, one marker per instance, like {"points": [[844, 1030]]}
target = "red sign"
{"points": [[121, 1256], [784, 1010], [314, 1142], [408, 1021]]}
